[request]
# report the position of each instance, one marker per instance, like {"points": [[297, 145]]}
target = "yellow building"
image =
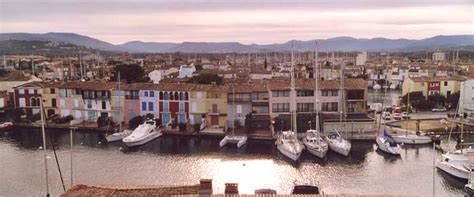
{"points": [[442, 85], [50, 97], [208, 103]]}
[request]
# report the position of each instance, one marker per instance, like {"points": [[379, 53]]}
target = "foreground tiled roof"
{"points": [[15, 76], [438, 78], [105, 191]]}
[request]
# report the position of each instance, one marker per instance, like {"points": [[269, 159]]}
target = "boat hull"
{"points": [[321, 153], [386, 148], [453, 170], [239, 140], [144, 140], [292, 155], [412, 139], [343, 150]]}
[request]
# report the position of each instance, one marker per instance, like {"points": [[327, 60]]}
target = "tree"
{"points": [[198, 67], [205, 78], [265, 63], [438, 99], [414, 97], [129, 73], [453, 99]]}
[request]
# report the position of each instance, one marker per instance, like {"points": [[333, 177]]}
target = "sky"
{"points": [[245, 21]]}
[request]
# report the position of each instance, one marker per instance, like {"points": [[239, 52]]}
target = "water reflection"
{"points": [[172, 160]]}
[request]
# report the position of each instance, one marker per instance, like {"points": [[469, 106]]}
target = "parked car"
{"points": [[397, 116], [405, 115], [386, 115], [439, 109]]}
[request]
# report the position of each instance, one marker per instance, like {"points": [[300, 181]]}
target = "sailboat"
{"points": [[287, 142], [338, 144], [239, 140], [121, 134], [456, 163], [335, 140], [313, 141], [411, 138], [387, 144]]}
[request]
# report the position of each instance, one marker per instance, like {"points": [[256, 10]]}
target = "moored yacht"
{"points": [[315, 144], [288, 144], [338, 144], [412, 139], [455, 164], [143, 134], [387, 144]]}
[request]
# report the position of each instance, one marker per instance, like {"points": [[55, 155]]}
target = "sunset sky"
{"points": [[119, 21]]}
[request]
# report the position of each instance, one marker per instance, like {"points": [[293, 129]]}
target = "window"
{"points": [[150, 106], [89, 104], [281, 93], [53, 102], [21, 91], [198, 94], [304, 107], [329, 93], [143, 106], [166, 107], [181, 107], [104, 105], [22, 102], [76, 103], [214, 108], [330, 107], [152, 93], [445, 83], [52, 91], [146, 93], [280, 107], [305, 93], [33, 102], [193, 107], [239, 109]]}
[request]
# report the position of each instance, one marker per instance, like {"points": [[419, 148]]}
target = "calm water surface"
{"points": [[174, 161]]}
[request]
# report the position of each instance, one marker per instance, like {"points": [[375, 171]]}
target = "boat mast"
{"points": [[235, 109], [316, 78], [120, 104], [44, 147], [408, 112], [292, 92]]}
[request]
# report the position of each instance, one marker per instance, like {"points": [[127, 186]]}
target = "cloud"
{"points": [[245, 21]]}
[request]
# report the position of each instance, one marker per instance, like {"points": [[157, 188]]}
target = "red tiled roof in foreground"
{"points": [[106, 191]]}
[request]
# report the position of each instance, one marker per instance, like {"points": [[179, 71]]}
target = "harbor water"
{"points": [[172, 160]]}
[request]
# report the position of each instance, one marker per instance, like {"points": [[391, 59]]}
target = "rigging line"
{"points": [[54, 149]]}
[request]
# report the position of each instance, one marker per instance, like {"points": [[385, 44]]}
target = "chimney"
{"points": [[231, 188], [205, 187]]}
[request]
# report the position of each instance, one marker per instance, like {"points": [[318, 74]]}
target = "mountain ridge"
{"points": [[340, 43]]}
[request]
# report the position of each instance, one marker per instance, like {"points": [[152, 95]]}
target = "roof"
{"points": [[15, 76], [438, 78], [309, 84], [84, 190]]}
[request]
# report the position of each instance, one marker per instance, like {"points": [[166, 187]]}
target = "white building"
{"points": [[361, 59], [155, 76], [186, 71], [438, 56], [466, 97]]}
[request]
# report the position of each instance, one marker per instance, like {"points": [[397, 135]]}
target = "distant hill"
{"points": [[47, 48], [72, 38], [331, 44]]}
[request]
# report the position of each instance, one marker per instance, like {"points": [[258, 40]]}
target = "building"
{"points": [[442, 85], [174, 102], [239, 104], [131, 106], [148, 95], [186, 71], [438, 56], [28, 97], [361, 59]]}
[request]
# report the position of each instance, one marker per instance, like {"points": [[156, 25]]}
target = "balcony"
{"points": [[131, 97]]}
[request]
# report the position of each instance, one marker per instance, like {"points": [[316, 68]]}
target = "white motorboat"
{"points": [[239, 140], [118, 135], [289, 145], [338, 144], [143, 134], [315, 144], [455, 164], [387, 144]]}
